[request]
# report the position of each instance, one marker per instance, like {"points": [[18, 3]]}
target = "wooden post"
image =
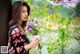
{"points": [[5, 15]]}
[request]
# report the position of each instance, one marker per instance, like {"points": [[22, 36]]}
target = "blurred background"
{"points": [[57, 22]]}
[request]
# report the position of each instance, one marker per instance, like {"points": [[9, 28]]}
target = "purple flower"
{"points": [[29, 20], [29, 26]]}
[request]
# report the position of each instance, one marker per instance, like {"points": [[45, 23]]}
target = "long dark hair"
{"points": [[16, 11]]}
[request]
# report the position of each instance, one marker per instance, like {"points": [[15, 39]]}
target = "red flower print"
{"points": [[19, 49], [9, 39], [11, 49], [13, 36], [13, 32]]}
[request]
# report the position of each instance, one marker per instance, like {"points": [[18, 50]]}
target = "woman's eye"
{"points": [[23, 12]]}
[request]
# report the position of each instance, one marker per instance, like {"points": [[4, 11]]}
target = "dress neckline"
{"points": [[20, 29]]}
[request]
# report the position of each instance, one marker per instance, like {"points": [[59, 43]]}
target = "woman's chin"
{"points": [[25, 20]]}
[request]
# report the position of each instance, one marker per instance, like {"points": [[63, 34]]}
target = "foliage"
{"points": [[58, 30], [77, 10]]}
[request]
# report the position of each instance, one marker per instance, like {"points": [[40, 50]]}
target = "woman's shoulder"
{"points": [[14, 29]]}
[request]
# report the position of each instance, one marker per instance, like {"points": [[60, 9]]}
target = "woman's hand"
{"points": [[36, 37], [35, 41]]}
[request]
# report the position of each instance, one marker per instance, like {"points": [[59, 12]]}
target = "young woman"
{"points": [[18, 43]]}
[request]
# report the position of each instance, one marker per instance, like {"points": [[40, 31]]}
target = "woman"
{"points": [[18, 43]]}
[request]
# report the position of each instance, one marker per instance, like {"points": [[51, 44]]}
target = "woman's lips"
{"points": [[25, 17]]}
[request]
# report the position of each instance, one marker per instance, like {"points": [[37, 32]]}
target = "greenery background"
{"points": [[58, 27]]}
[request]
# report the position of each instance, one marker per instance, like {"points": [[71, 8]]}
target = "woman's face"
{"points": [[24, 13]]}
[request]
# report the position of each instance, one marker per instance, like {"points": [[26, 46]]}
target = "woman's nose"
{"points": [[26, 14]]}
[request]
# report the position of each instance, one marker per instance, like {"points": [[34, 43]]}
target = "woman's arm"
{"points": [[33, 44], [16, 41]]}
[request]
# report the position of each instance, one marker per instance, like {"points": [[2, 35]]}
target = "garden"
{"points": [[58, 25]]}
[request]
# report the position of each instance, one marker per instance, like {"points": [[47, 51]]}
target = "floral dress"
{"points": [[16, 41]]}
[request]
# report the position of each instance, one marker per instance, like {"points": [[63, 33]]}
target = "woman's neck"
{"points": [[19, 23]]}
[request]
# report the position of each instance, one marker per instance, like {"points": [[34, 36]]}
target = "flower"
{"points": [[32, 26], [29, 28]]}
